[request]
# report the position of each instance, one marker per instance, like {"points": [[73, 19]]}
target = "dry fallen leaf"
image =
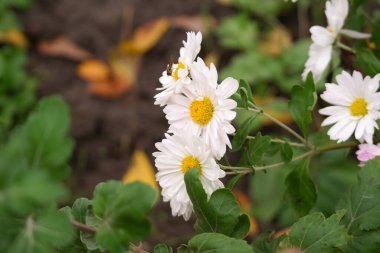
{"points": [[113, 79], [140, 169], [145, 37], [245, 205], [14, 37], [63, 47], [94, 70], [125, 68], [278, 40], [110, 81], [193, 23]]}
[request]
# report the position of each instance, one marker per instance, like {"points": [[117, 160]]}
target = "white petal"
{"points": [[227, 88], [355, 34]]}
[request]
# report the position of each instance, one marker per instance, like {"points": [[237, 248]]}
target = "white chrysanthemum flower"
{"points": [[356, 105], [176, 155], [323, 38], [206, 109], [176, 76]]}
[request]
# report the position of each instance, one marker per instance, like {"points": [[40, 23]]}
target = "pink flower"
{"points": [[367, 152]]}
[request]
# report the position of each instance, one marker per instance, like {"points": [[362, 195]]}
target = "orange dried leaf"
{"points": [[110, 89], [243, 200], [14, 37], [245, 205], [145, 37], [193, 23], [278, 40], [63, 47], [125, 69], [94, 71], [141, 170]]}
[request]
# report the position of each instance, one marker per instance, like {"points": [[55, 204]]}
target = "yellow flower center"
{"points": [[175, 73], [201, 111], [190, 162], [330, 29], [359, 107]]}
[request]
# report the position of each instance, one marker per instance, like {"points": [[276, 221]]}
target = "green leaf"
{"points": [[300, 188], [265, 243], [220, 214], [268, 185], [16, 3], [302, 103], [42, 234], [42, 142], [362, 200], [46, 130], [247, 87], [364, 242], [244, 98], [80, 208], [230, 35], [217, 243], [88, 239], [123, 210], [266, 8], [242, 133], [315, 234], [242, 227], [234, 181], [257, 147], [286, 152], [241, 66], [295, 57], [162, 248], [29, 191], [335, 174], [367, 62]]}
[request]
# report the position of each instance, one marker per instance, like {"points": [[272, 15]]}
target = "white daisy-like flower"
{"points": [[320, 52], [206, 109], [176, 76], [356, 105], [176, 155]]}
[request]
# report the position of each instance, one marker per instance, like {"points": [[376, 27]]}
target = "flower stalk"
{"points": [[310, 153]]}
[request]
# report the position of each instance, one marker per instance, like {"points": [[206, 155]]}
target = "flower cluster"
{"points": [[320, 52], [199, 112], [355, 100]]}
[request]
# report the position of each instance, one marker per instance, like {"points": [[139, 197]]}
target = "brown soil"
{"points": [[107, 132]]}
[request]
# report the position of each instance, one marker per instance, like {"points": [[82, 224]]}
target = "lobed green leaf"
{"points": [[221, 214]]}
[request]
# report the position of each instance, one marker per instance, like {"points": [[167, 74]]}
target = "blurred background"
{"points": [[104, 57]]}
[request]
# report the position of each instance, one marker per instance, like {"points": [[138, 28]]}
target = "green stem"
{"points": [[311, 153], [285, 127], [278, 122], [276, 140], [345, 47]]}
